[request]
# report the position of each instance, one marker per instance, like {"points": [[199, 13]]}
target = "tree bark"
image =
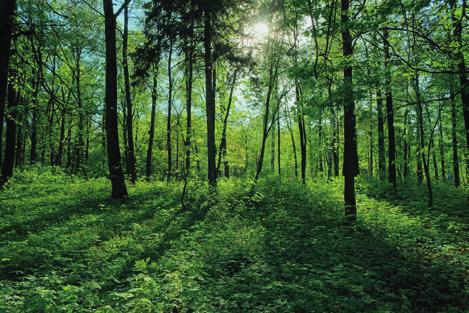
{"points": [[116, 175], [151, 132], [130, 159], [454, 139], [223, 144], [389, 113], [461, 67], [189, 78], [381, 149], [9, 158], [350, 167], [421, 132], [7, 11], [209, 99], [169, 147]]}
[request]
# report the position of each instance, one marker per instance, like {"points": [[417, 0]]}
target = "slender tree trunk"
{"points": [[292, 137], [210, 100], [420, 123], [406, 145], [116, 175], [223, 144], [58, 159], [265, 127], [390, 113], [442, 149], [189, 78], [461, 67], [320, 141], [151, 132], [130, 159], [370, 138], [9, 159], [350, 169], [334, 142], [7, 11], [81, 117], [454, 139], [169, 147], [34, 120], [381, 149], [302, 131], [19, 139], [278, 140]]}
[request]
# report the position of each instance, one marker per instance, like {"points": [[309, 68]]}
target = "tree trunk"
{"points": [[34, 119], [461, 67], [130, 159], [169, 147], [389, 113], [7, 10], [189, 78], [265, 128], [151, 132], [381, 149], [406, 146], [9, 158], [442, 149], [454, 139], [302, 131], [210, 100], [223, 144], [350, 167], [81, 122], [292, 137], [421, 131], [116, 175]]}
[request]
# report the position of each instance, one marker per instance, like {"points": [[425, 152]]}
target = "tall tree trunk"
{"points": [[302, 132], [454, 139], [265, 128], [381, 149], [292, 137], [278, 140], [169, 147], [421, 130], [223, 144], [209, 99], [370, 138], [350, 169], [19, 139], [130, 159], [406, 145], [116, 175], [151, 132], [389, 112], [34, 120], [9, 159], [7, 10], [442, 149], [81, 117], [334, 153], [58, 159], [461, 67], [189, 78]]}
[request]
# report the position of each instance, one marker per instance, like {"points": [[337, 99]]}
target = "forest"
{"points": [[189, 156]]}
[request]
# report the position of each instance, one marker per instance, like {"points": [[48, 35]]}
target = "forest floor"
{"points": [[281, 247]]}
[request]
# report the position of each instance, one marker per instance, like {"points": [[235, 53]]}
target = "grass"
{"points": [[282, 247]]}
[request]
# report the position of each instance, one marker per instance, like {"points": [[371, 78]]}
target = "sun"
{"points": [[260, 30]]}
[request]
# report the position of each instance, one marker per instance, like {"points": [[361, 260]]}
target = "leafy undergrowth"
{"points": [[281, 247]]}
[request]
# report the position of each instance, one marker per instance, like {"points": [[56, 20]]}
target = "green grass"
{"points": [[281, 247]]}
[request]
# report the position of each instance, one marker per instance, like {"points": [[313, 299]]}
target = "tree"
{"points": [[7, 10], [116, 175], [350, 167]]}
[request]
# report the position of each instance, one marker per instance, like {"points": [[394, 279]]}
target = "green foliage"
{"points": [[274, 247]]}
